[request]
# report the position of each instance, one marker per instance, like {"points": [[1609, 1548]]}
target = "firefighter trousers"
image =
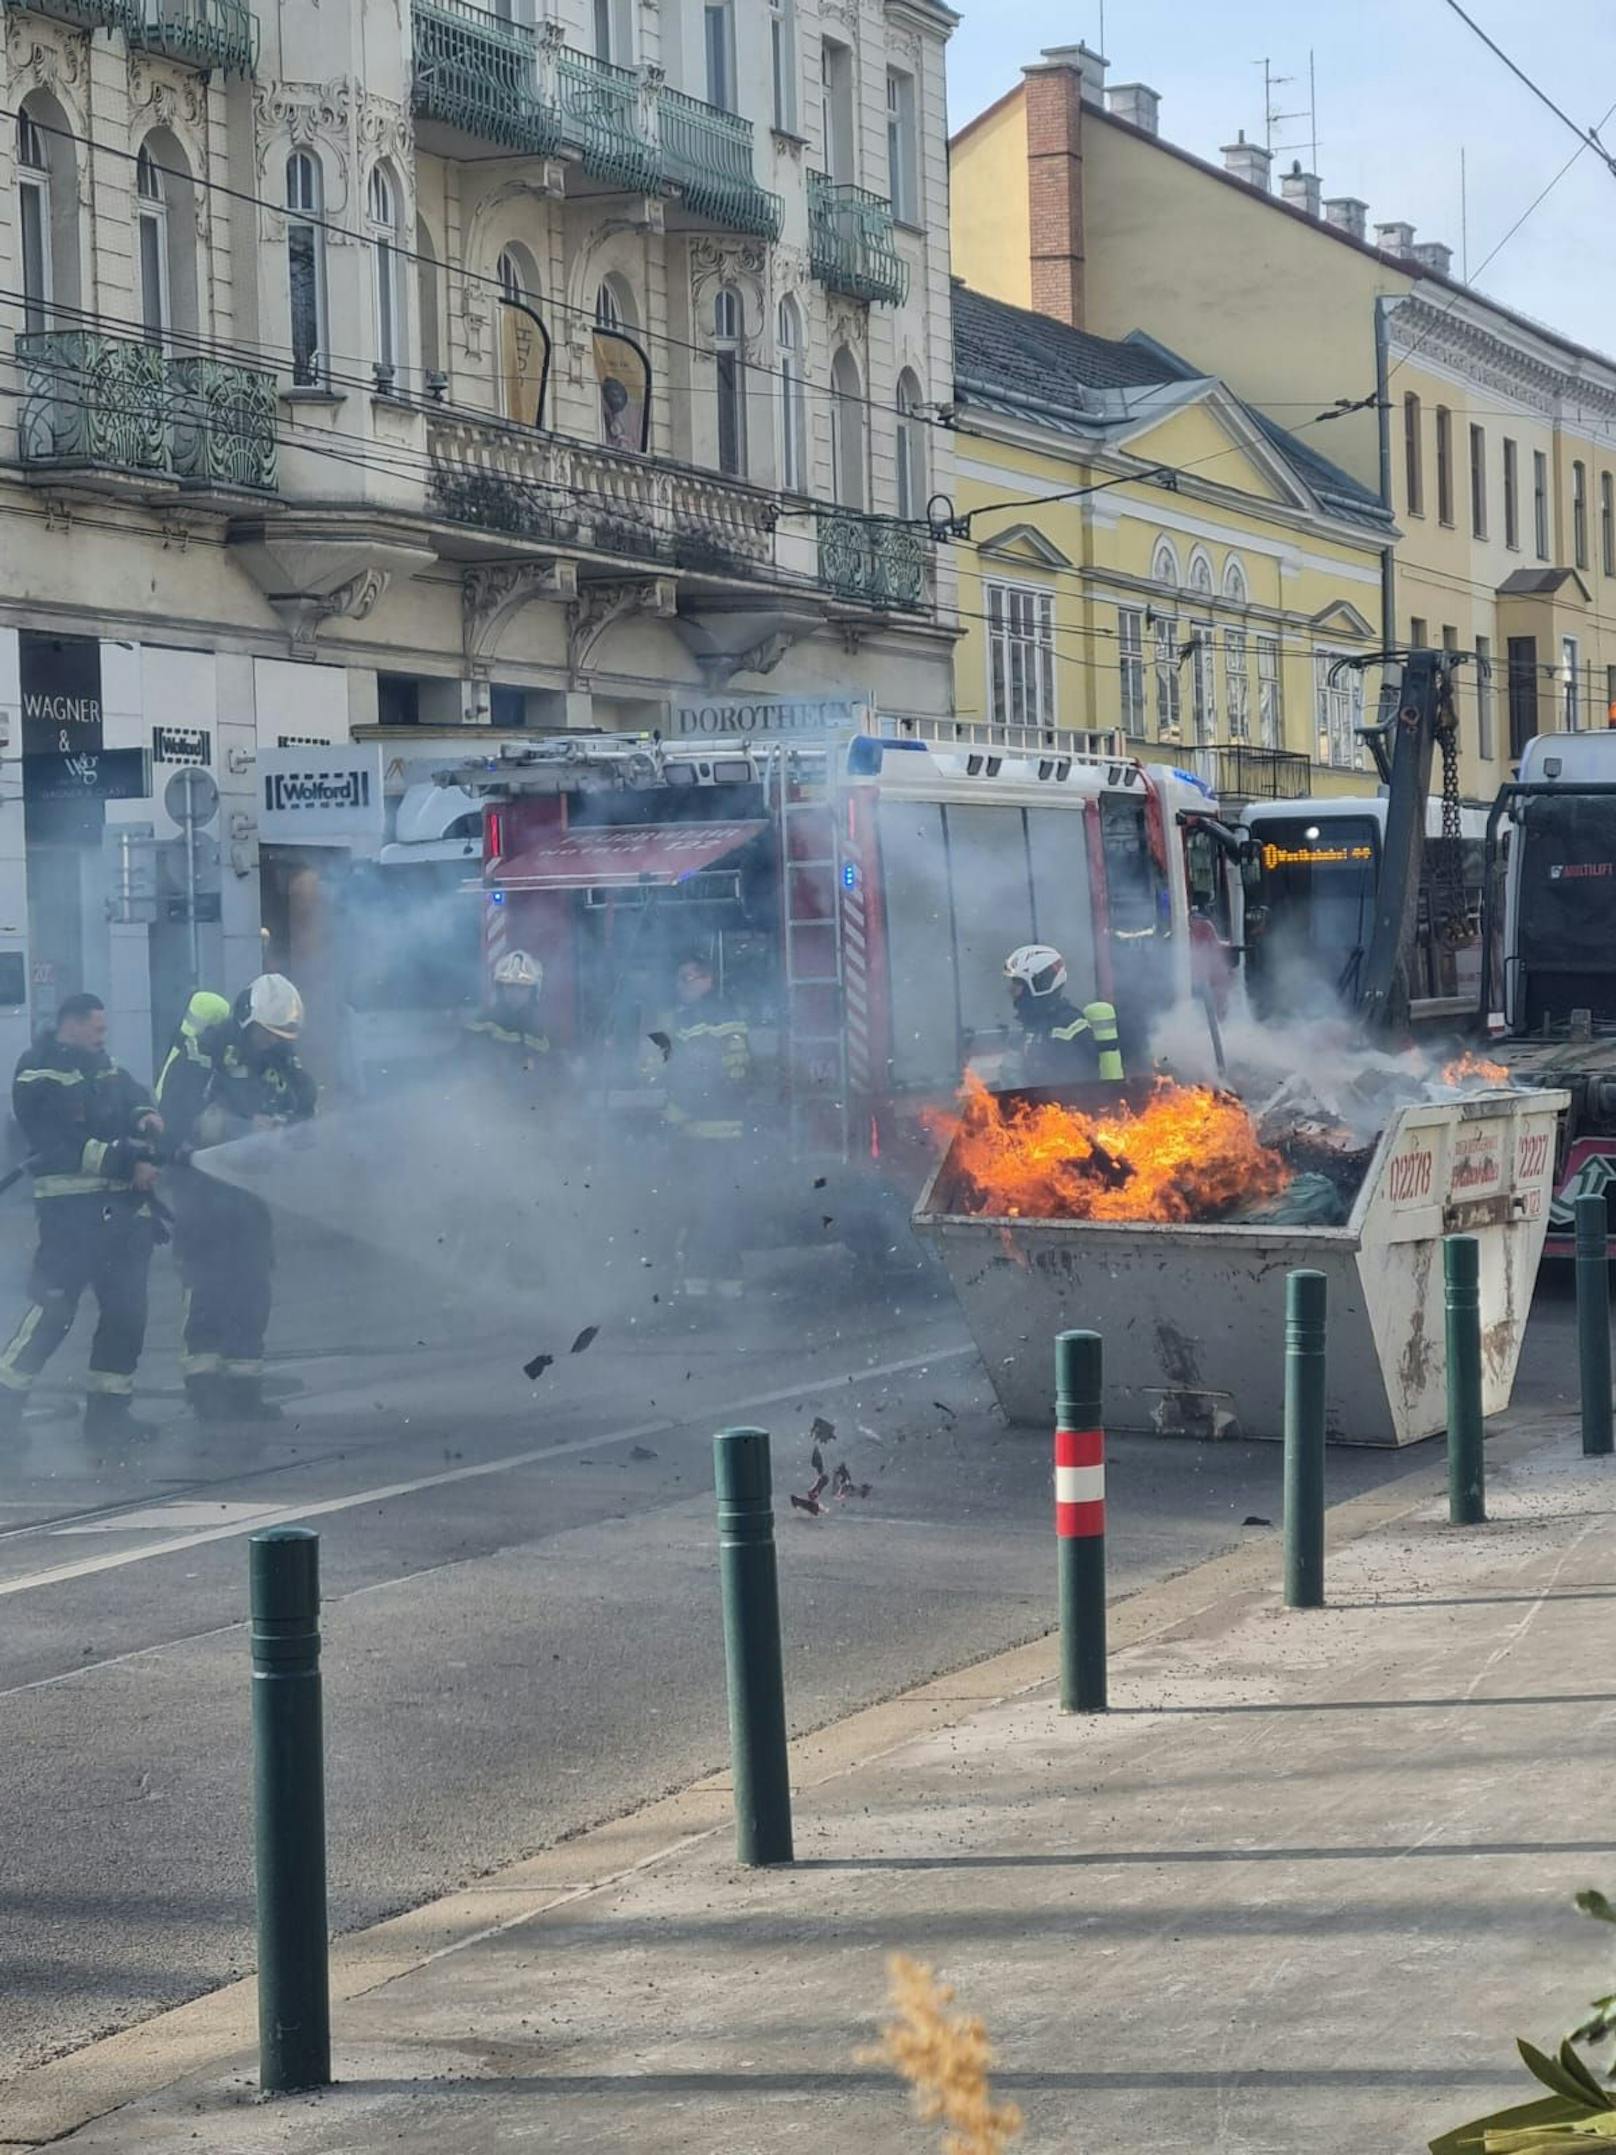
{"points": [[226, 1247], [102, 1242]]}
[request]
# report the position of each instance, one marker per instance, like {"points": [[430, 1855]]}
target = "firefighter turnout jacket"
{"points": [[252, 1083], [81, 1116], [508, 1046], [704, 1069], [1068, 1046]]}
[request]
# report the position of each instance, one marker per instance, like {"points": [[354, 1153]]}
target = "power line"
{"points": [[1587, 136]]}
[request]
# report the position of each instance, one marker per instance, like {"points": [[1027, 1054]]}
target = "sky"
{"points": [[1402, 87]]}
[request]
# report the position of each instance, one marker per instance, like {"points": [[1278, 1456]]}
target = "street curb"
{"points": [[49, 2101]]}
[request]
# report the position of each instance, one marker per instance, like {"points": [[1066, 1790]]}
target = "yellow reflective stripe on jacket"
{"points": [[1069, 1032], [56, 1077], [77, 1185], [538, 1042], [1103, 1018]]}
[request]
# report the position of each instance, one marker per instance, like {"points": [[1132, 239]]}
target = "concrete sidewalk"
{"points": [[1298, 1891]]}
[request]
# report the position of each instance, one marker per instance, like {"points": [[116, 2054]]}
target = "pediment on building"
{"points": [[1026, 545], [1342, 618]]}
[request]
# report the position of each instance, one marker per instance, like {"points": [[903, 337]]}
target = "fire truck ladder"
{"points": [[804, 796]]}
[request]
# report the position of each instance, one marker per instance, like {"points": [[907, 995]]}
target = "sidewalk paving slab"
{"points": [[1300, 1889]]}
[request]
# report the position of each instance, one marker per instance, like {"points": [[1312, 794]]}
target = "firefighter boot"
{"points": [[205, 1395], [109, 1417], [245, 1401]]}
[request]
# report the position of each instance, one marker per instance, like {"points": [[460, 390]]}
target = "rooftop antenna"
{"points": [[1273, 117], [1464, 218]]}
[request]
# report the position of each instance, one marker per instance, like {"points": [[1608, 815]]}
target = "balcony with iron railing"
{"points": [[603, 114], [852, 247], [875, 560], [478, 74], [118, 409], [518, 482], [707, 154], [208, 34]]}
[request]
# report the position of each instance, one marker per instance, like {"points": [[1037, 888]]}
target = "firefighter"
{"points": [[254, 1082], [507, 1040], [92, 1135], [701, 1056], [1062, 1045]]}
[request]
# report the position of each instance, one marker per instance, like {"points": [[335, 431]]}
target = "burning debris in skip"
{"points": [[1188, 1154]]}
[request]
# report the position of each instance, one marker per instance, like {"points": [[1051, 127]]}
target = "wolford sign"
{"points": [[718, 720], [321, 797]]}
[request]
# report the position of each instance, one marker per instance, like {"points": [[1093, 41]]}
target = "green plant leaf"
{"points": [[1570, 2063], [1593, 1903], [1555, 2077]]}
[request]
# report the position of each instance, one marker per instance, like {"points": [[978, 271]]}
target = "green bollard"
{"points": [[1080, 1521], [1467, 1473], [1305, 1297], [294, 2000], [1593, 1323], [757, 1698]]}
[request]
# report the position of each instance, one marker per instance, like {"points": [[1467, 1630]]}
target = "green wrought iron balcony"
{"points": [[208, 34], [82, 14], [478, 73], [707, 154], [873, 559], [601, 114], [117, 406], [851, 245], [203, 33]]}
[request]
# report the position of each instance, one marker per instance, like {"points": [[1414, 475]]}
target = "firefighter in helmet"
{"points": [[507, 1040], [255, 1083], [1062, 1045], [700, 1057]]}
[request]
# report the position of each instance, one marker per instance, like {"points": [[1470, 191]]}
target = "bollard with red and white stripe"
{"points": [[1080, 1521]]}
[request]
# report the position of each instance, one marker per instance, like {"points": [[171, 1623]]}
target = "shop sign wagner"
{"points": [[321, 797], [61, 720]]}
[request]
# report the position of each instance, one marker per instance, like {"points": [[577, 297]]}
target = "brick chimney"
{"points": [[1348, 214], [1137, 103], [1248, 161], [1434, 254], [1301, 189], [1054, 91]]}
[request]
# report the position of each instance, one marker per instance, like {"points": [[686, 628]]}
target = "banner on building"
{"points": [[623, 378], [61, 716], [524, 362], [181, 744], [321, 797]]}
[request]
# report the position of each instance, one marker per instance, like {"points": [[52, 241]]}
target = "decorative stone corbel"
{"points": [[491, 596], [598, 606]]}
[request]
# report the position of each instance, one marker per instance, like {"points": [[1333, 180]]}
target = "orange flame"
{"points": [[1187, 1154], [1469, 1069]]}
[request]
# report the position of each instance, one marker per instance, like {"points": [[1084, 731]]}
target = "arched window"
{"points": [[1200, 575], [729, 352], [47, 209], [305, 266], [518, 356], [429, 311], [621, 374], [151, 249], [911, 448], [1234, 582], [34, 221], [1164, 565], [381, 205], [847, 430], [793, 400]]}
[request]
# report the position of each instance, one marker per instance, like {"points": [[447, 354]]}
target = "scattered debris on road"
{"points": [[537, 1367]]}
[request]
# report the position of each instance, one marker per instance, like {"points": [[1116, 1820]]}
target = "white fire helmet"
{"points": [[275, 1004], [519, 969], [1039, 967]]}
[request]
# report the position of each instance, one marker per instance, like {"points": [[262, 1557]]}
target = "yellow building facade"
{"points": [[1145, 558], [1491, 440]]}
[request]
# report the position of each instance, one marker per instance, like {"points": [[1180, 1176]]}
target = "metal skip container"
{"points": [[1193, 1317]]}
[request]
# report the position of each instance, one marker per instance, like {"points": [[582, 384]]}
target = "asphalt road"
{"points": [[521, 1609]]}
